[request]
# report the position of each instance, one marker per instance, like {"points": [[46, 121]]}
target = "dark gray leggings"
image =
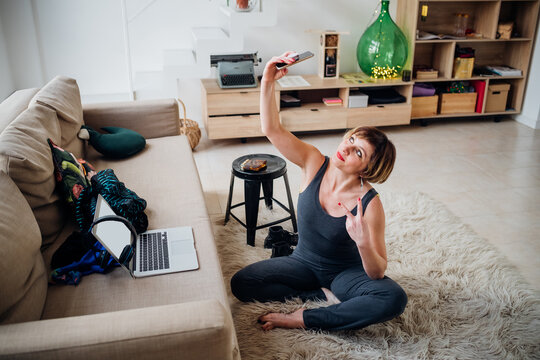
{"points": [[363, 301]]}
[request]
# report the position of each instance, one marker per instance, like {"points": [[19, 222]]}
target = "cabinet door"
{"points": [[379, 115], [227, 127], [242, 102], [315, 118]]}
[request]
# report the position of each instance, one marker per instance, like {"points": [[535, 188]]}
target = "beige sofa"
{"points": [[183, 315]]}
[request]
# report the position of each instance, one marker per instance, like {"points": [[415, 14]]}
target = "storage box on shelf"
{"points": [[426, 74], [424, 106], [463, 103], [357, 99], [463, 68], [504, 30], [496, 97]]}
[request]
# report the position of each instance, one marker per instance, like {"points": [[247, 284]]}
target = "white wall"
{"points": [[83, 40], [167, 24], [21, 43], [6, 82], [530, 114]]}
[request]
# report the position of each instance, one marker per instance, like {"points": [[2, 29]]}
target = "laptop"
{"points": [[155, 252]]}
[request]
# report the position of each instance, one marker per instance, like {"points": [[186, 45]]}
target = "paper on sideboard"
{"points": [[293, 81]]}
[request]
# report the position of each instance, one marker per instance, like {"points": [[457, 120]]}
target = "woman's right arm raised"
{"points": [[302, 154]]}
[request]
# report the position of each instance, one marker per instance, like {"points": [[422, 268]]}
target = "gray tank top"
{"points": [[322, 238]]}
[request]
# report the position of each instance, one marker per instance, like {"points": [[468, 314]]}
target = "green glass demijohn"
{"points": [[382, 50]]}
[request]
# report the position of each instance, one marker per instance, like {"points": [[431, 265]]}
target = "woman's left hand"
{"points": [[356, 225]]}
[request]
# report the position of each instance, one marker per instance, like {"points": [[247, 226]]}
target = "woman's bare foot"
{"points": [[330, 297], [293, 320]]}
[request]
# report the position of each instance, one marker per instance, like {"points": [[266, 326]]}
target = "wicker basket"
{"points": [[189, 127]]}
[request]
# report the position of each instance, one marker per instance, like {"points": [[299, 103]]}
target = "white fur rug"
{"points": [[465, 300]]}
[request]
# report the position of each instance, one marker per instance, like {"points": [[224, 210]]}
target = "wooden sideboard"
{"points": [[234, 113]]}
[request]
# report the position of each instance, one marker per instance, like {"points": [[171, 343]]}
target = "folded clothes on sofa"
{"points": [[81, 254]]}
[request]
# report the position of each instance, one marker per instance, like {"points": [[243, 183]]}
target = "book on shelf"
{"points": [[424, 35], [354, 78], [504, 70], [480, 89], [332, 101]]}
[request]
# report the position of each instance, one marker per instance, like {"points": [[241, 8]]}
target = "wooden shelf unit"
{"points": [[484, 17], [234, 113]]}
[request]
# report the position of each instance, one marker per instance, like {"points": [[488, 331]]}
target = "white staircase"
{"points": [[180, 65]]}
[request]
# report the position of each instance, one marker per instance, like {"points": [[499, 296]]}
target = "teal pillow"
{"points": [[117, 143]]}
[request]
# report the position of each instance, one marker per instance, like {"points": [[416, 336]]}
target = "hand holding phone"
{"points": [[297, 57]]}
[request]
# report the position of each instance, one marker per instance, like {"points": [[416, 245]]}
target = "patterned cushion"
{"points": [[72, 174]]}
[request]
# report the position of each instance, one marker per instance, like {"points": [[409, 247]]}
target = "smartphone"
{"points": [[298, 57]]}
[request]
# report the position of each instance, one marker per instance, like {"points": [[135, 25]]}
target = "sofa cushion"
{"points": [[150, 118], [62, 95], [28, 161], [165, 175], [15, 104], [22, 273]]}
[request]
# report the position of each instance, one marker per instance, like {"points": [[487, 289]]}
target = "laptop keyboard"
{"points": [[154, 252]]}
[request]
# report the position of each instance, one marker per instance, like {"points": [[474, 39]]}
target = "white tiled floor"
{"points": [[487, 173]]}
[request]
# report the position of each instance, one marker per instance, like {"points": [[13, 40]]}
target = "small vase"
{"points": [[382, 50]]}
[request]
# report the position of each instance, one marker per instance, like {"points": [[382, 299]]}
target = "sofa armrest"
{"points": [[150, 118], [195, 330]]}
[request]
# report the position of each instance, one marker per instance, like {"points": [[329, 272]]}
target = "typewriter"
{"points": [[235, 71]]}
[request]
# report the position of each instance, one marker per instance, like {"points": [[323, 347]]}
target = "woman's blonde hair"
{"points": [[382, 160]]}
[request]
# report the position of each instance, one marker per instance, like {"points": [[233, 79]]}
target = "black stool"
{"points": [[275, 167]]}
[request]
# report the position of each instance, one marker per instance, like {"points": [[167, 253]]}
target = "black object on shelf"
{"points": [[464, 52], [406, 75], [330, 63], [383, 95], [289, 101]]}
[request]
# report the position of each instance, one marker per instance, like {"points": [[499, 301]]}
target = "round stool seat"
{"points": [[275, 167]]}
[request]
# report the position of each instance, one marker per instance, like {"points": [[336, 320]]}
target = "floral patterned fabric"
{"points": [[72, 175]]}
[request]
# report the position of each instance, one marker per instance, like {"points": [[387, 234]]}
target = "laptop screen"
{"points": [[113, 235]]}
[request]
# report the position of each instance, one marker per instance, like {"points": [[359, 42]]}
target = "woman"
{"points": [[341, 253]]}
